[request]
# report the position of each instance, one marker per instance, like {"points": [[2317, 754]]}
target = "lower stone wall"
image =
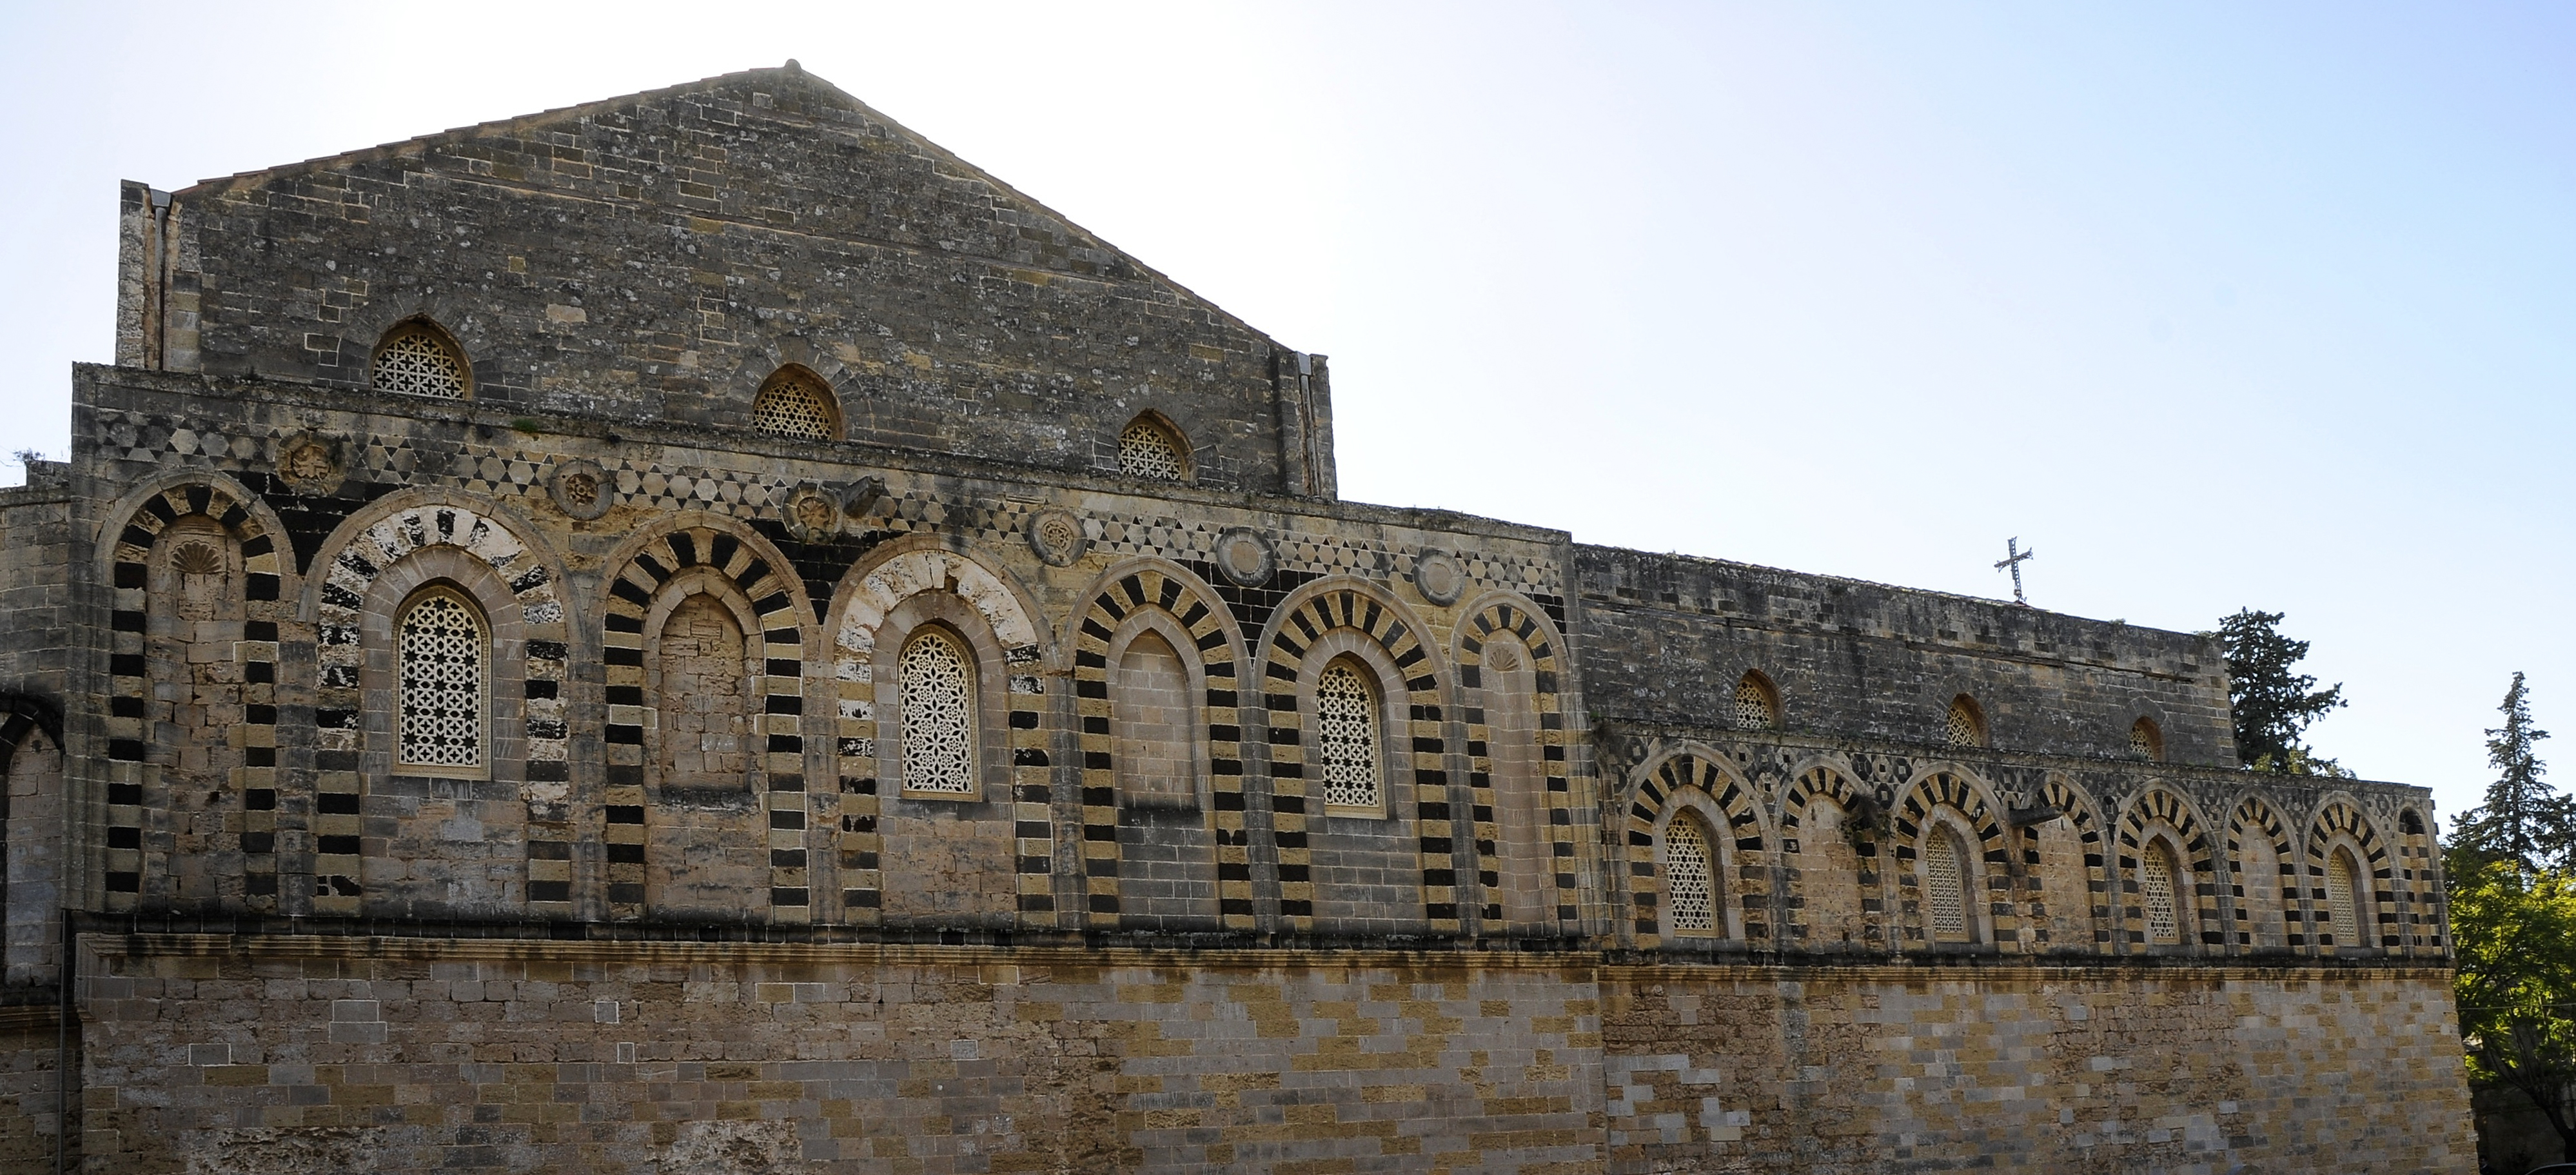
{"points": [[292, 1054], [30, 1047]]}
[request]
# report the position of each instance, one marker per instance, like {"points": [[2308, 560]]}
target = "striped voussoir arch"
{"points": [[778, 723], [1294, 803], [340, 737], [856, 621], [2340, 818], [1548, 674], [1747, 886], [1945, 790], [2254, 818], [1202, 617], [2058, 794], [2159, 804], [132, 781]]}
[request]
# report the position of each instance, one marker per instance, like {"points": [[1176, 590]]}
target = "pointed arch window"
{"points": [[794, 402], [1346, 738], [2342, 912], [1967, 726], [1757, 707], [1152, 450], [1690, 876], [935, 678], [417, 358], [2156, 887], [1945, 885], [443, 669], [2145, 741]]}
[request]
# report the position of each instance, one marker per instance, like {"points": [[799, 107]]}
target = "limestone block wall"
{"points": [[32, 1052], [657, 257], [303, 1054], [1668, 638]]}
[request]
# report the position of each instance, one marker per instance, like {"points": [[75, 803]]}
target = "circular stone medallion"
{"points": [[309, 464], [1056, 535], [1244, 556], [1439, 577], [580, 489], [813, 515]]}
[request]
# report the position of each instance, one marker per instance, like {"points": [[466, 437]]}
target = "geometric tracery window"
{"points": [[2340, 912], [1346, 738], [2144, 740], [2156, 886], [417, 360], [792, 404], [440, 658], [1145, 450], [1753, 708], [1690, 880], [1964, 729], [936, 682], [1945, 885]]}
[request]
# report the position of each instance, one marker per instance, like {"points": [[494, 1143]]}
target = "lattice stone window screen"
{"points": [[2143, 742], [416, 361], [1690, 877], [937, 683], [2156, 883], [1945, 888], [441, 657], [793, 406], [1965, 730], [1146, 451], [2340, 914], [1753, 710], [1346, 738]]}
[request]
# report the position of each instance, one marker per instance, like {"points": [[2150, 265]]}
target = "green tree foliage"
{"points": [[2515, 935], [2273, 703], [2524, 820]]}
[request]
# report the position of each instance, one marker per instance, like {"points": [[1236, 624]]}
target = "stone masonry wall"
{"points": [[656, 257], [220, 1055], [1668, 637]]}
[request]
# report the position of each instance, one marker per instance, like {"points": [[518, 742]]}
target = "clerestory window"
{"points": [[1152, 451], [2157, 887], [416, 358], [796, 403]]}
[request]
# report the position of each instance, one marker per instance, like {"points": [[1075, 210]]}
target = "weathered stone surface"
{"points": [[671, 857]]}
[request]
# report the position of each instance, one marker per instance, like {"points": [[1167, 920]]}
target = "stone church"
{"points": [[703, 633]]}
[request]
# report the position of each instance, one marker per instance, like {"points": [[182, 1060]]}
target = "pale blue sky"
{"points": [[2213, 305]]}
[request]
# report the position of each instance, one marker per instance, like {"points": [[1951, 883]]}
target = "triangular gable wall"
{"points": [[656, 257]]}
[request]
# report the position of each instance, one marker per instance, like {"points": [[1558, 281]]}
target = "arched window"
{"points": [[416, 358], [1151, 450], [1756, 706], [1690, 876], [936, 680], [1346, 737], [2145, 741], [794, 402], [2342, 912], [2156, 888], [1945, 886], [1967, 726], [442, 659]]}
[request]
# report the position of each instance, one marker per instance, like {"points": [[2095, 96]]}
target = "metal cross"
{"points": [[2014, 560]]}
